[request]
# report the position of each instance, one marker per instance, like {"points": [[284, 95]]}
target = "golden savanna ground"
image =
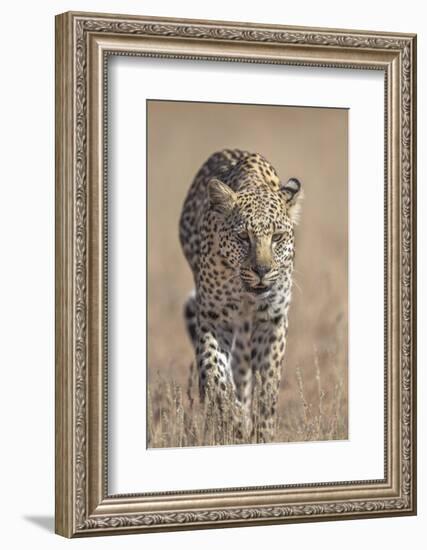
{"points": [[310, 144]]}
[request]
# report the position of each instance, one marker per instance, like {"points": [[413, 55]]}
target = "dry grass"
{"points": [[176, 418]]}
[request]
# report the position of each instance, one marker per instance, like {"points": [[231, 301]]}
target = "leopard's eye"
{"points": [[243, 236], [277, 237]]}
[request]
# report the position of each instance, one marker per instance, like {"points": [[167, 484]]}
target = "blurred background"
{"points": [[308, 143]]}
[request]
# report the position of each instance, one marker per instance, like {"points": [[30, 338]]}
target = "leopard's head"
{"points": [[256, 231]]}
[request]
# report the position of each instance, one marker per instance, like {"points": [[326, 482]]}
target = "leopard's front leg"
{"points": [[216, 382], [213, 354], [268, 350], [242, 374]]}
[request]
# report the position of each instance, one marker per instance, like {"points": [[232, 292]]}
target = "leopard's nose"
{"points": [[261, 270]]}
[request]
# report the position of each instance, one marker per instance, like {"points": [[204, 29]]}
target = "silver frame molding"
{"points": [[83, 43]]}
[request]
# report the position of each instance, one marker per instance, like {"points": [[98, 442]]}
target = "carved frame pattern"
{"points": [[83, 507]]}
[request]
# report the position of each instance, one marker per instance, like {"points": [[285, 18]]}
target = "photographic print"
{"points": [[247, 223]]}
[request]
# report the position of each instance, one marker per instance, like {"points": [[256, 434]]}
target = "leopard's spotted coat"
{"points": [[237, 233]]}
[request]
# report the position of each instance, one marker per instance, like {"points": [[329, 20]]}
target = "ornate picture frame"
{"points": [[84, 42]]}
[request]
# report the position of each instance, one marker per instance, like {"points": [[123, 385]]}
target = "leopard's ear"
{"points": [[293, 195], [221, 196]]}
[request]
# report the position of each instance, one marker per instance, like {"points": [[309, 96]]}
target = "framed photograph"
{"points": [[235, 274]]}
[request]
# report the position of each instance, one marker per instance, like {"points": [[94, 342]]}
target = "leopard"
{"points": [[237, 232]]}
